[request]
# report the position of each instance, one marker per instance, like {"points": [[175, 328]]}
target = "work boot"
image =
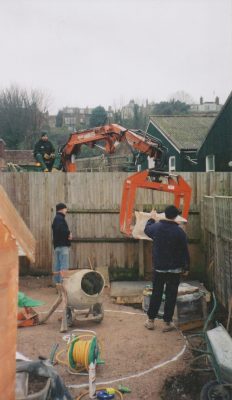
{"points": [[168, 326], [149, 324], [46, 170], [55, 170]]}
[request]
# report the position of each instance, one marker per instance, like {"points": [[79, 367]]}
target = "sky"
{"points": [[105, 52]]}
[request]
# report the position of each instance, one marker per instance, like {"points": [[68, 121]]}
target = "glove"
{"points": [[52, 155], [46, 156], [153, 214]]}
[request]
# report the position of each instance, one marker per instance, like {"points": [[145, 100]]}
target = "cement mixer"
{"points": [[81, 297], [84, 290]]}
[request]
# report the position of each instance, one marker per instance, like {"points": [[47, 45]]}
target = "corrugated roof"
{"points": [[185, 131]]}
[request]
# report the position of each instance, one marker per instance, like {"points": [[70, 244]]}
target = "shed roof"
{"points": [[184, 131], [10, 217]]}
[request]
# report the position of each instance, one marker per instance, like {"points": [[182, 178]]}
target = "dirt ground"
{"points": [[133, 355]]}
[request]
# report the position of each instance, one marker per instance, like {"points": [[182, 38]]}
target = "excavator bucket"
{"points": [[154, 180]]}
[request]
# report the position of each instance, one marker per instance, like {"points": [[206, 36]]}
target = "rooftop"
{"points": [[184, 131]]}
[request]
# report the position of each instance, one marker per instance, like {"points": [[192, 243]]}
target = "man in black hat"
{"points": [[44, 153], [61, 241], [170, 259]]}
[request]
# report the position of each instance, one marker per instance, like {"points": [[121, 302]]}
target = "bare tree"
{"points": [[182, 96], [22, 115]]}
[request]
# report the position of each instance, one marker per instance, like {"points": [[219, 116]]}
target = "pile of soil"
{"points": [[36, 383], [185, 386]]}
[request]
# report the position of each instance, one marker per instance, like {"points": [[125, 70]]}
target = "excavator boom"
{"points": [[111, 135]]}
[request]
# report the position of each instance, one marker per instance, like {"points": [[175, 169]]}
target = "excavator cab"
{"points": [[154, 180]]}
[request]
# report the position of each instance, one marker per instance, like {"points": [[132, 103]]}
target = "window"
{"points": [[172, 163], [210, 163]]}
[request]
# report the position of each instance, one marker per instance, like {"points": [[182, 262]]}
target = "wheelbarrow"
{"points": [[216, 354]]}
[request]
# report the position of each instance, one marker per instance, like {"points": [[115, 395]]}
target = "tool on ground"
{"points": [[118, 394], [124, 389], [90, 263], [104, 395], [27, 316]]}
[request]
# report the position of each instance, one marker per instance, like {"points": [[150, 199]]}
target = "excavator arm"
{"points": [[154, 180], [111, 135]]}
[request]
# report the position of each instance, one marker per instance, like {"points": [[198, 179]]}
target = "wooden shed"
{"points": [[13, 234], [215, 153], [182, 135]]}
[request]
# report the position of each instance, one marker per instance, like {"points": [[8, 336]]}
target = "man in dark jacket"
{"points": [[170, 260], [44, 153], [61, 241]]}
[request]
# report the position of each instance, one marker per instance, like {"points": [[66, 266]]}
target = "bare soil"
{"points": [[133, 355]]}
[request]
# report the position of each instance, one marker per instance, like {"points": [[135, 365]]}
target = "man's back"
{"points": [[170, 250]]}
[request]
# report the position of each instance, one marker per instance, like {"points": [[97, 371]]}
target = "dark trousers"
{"points": [[172, 281]]}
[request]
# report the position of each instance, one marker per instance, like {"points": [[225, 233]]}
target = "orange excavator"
{"points": [[109, 136]]}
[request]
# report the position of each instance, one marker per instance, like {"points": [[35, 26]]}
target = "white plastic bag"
{"points": [[143, 217]]}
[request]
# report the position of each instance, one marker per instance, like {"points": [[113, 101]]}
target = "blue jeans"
{"points": [[61, 262]]}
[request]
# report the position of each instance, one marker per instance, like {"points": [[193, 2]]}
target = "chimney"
{"points": [[2, 148], [217, 100], [201, 100]]}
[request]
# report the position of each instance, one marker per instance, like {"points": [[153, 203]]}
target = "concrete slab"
{"points": [[135, 288]]}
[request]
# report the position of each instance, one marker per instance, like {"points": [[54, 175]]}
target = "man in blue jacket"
{"points": [[170, 258], [61, 241]]}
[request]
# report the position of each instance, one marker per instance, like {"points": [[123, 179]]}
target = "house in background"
{"points": [[215, 153], [182, 135], [206, 106]]}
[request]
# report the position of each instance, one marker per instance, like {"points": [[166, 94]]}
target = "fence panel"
{"points": [[96, 196], [217, 229]]}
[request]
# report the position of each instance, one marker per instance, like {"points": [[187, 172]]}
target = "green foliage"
{"points": [[98, 117], [59, 119], [86, 152], [136, 116], [171, 108], [118, 117], [124, 273]]}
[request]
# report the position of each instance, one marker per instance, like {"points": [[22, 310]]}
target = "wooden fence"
{"points": [[94, 200], [216, 223]]}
